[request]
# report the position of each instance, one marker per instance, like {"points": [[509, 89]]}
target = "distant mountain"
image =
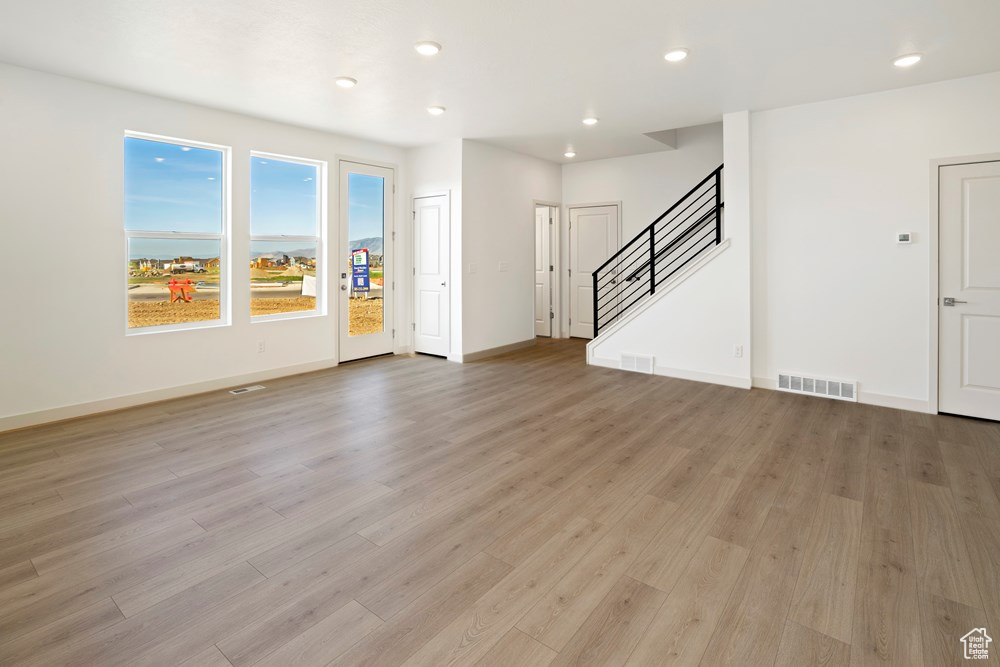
{"points": [[275, 254], [374, 245]]}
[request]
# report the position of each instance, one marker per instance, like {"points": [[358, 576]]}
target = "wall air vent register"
{"points": [[797, 383]]}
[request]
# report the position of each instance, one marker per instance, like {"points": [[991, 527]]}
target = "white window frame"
{"points": [[319, 241], [223, 237]]}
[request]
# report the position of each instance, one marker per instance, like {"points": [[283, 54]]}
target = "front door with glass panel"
{"points": [[365, 272]]}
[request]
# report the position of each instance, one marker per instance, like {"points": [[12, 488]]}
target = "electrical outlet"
{"points": [[260, 347], [472, 268], [737, 351], [504, 266]]}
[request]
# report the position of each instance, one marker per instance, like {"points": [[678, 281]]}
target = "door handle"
{"points": [[343, 288], [444, 284], [951, 301]]}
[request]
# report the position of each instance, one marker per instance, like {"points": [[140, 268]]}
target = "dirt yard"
{"points": [[155, 313], [272, 306], [366, 314]]}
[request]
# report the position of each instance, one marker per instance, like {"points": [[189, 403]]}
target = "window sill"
{"points": [[279, 317], [170, 328]]}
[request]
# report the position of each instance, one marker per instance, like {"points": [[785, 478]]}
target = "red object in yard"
{"points": [[180, 290]]}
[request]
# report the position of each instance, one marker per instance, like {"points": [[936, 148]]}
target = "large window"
{"points": [[286, 242], [175, 226]]}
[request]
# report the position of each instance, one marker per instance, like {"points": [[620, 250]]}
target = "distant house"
{"points": [[213, 263], [263, 263]]}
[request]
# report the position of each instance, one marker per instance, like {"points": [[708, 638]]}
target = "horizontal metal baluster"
{"points": [[674, 239]]}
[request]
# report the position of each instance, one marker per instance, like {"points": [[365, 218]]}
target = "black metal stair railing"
{"points": [[667, 245]]}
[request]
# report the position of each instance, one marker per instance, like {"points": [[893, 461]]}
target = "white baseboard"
{"points": [[680, 373], [701, 376], [868, 398], [120, 402], [898, 402]]}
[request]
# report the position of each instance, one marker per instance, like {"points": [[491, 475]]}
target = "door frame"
{"points": [[342, 222], [564, 323], [933, 240], [413, 264], [554, 246]]}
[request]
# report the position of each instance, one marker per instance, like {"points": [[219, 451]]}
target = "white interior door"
{"points": [[593, 238], [969, 334], [543, 270], [365, 266], [431, 258]]}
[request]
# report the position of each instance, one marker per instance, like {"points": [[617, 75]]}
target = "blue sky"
{"points": [[172, 188], [179, 188], [365, 205], [283, 198]]}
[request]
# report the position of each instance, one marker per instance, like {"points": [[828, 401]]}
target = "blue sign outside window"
{"points": [[359, 264]]}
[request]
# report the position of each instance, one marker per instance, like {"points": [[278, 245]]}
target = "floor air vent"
{"points": [[639, 363], [802, 384], [244, 390]]}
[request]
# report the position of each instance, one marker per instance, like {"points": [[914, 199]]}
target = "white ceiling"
{"points": [[516, 73]]}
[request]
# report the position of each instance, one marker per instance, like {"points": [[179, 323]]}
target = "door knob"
{"points": [[951, 301], [444, 284], [343, 288]]}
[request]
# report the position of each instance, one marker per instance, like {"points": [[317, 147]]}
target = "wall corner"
{"points": [[738, 227]]}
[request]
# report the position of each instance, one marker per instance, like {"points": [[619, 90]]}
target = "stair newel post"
{"points": [[718, 211], [652, 259], [596, 326]]}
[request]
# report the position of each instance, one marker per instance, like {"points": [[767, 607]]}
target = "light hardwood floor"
{"points": [[524, 510]]}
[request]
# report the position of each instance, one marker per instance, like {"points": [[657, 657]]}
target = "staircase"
{"points": [[684, 232]]}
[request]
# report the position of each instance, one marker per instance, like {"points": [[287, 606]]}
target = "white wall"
{"points": [[833, 182], [498, 222], [692, 329], [62, 336], [432, 170], [646, 185]]}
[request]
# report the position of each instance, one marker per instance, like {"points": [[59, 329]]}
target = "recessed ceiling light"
{"points": [[345, 82], [676, 55], [427, 48], [590, 121], [569, 154], [185, 148], [159, 159], [909, 60], [435, 111]]}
